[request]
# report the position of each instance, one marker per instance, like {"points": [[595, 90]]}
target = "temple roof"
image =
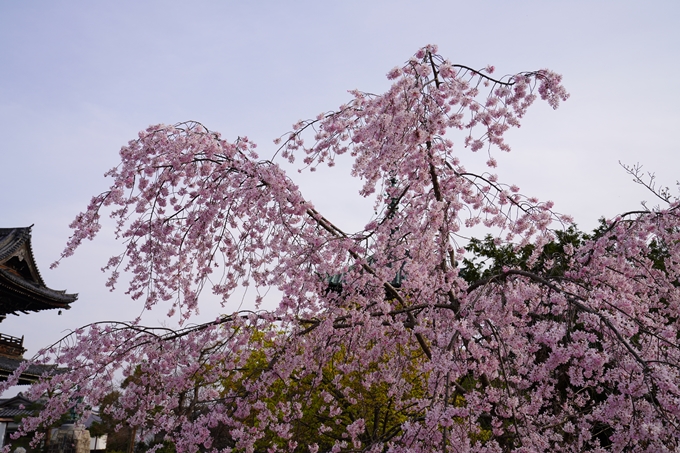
{"points": [[13, 407], [22, 289], [8, 365]]}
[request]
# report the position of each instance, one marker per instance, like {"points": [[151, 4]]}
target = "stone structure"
{"points": [[69, 439]]}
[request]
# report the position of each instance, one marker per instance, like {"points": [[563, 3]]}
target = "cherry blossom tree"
{"points": [[379, 340]]}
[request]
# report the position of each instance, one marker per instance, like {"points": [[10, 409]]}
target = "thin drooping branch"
{"points": [[389, 288]]}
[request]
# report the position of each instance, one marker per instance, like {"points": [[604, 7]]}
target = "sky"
{"points": [[79, 79]]}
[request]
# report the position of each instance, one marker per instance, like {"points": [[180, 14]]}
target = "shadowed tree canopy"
{"points": [[393, 338]]}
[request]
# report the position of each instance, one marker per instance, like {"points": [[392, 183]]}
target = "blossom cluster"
{"points": [[378, 343]]}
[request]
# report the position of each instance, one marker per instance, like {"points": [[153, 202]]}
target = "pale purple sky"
{"points": [[78, 80]]}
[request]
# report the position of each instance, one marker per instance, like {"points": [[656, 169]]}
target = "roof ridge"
{"points": [[21, 283], [12, 239]]}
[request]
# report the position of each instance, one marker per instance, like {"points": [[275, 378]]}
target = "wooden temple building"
{"points": [[22, 290]]}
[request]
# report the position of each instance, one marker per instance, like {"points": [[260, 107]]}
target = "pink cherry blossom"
{"points": [[526, 361]]}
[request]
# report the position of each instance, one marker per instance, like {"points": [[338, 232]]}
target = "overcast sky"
{"points": [[79, 79]]}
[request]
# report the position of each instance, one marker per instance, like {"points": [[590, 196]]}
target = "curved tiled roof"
{"points": [[8, 365], [22, 288], [12, 240]]}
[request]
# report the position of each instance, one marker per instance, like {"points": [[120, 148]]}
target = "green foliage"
{"points": [[488, 258], [326, 388]]}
